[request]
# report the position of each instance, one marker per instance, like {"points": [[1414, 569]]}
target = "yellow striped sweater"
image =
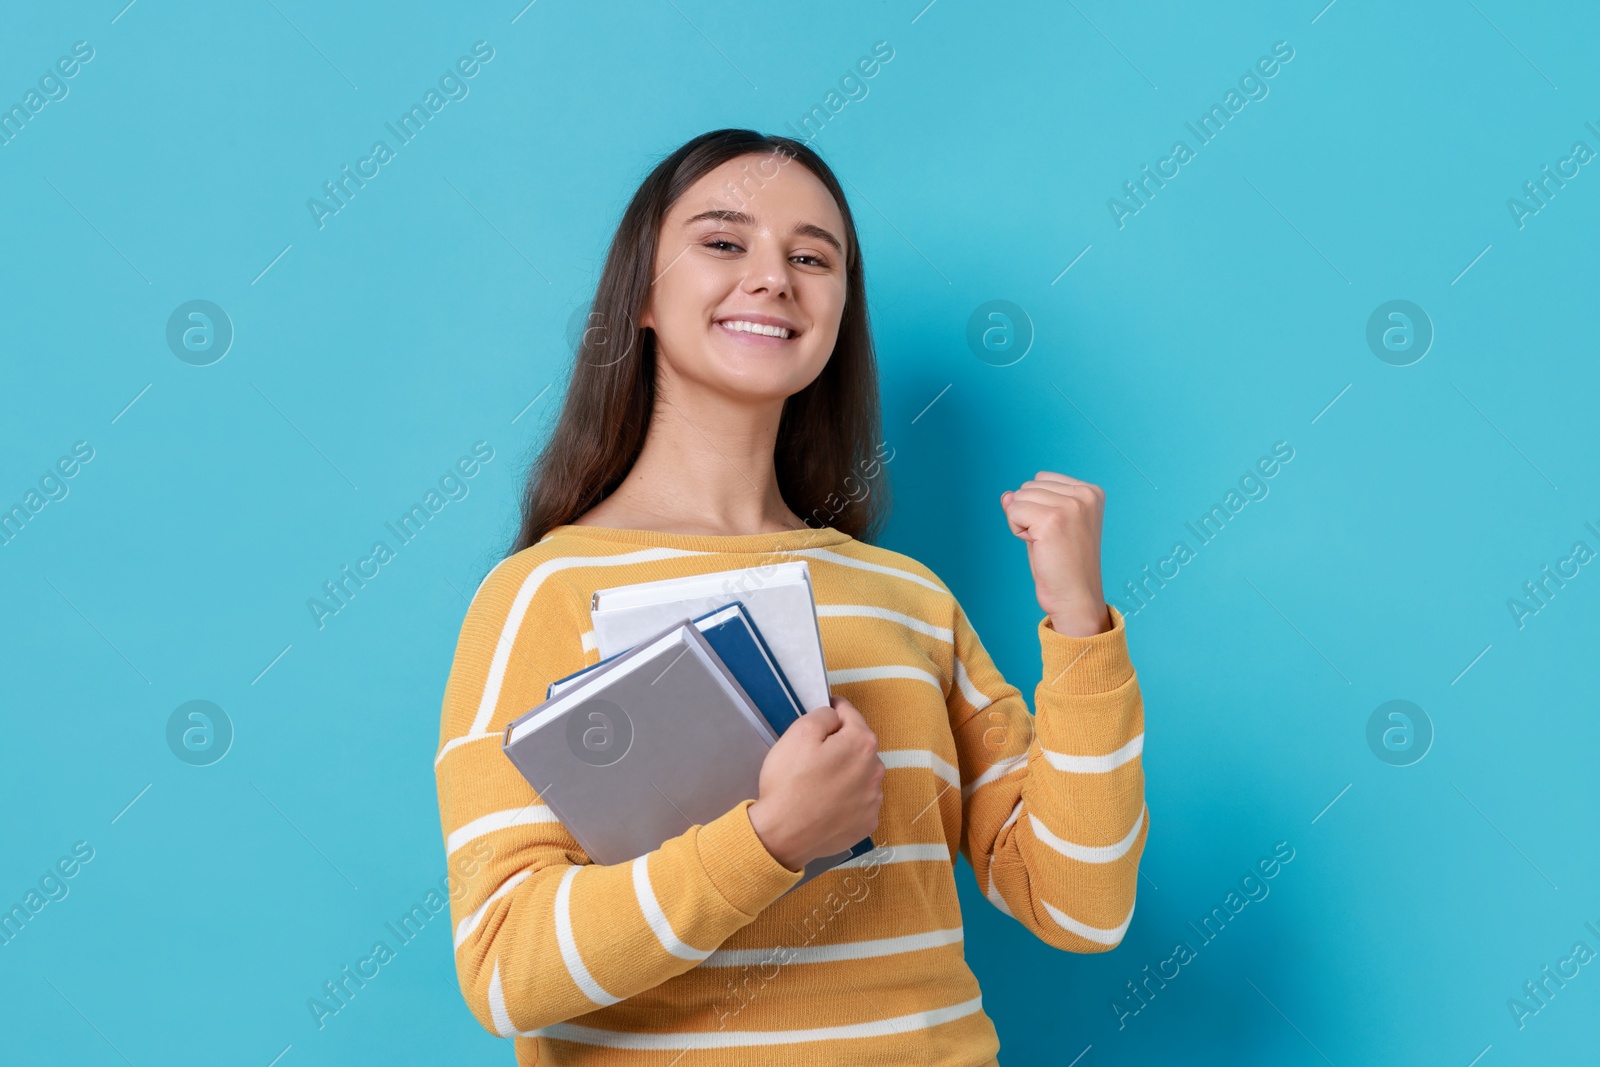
{"points": [[692, 952]]}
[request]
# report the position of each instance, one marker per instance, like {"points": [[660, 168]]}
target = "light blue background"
{"points": [[1224, 317]]}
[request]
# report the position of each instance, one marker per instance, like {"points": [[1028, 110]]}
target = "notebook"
{"points": [[630, 743], [661, 740], [733, 636], [777, 596]]}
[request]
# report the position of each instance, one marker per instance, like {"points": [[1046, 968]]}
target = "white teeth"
{"points": [[741, 326]]}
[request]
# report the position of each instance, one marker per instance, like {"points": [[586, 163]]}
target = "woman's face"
{"points": [[753, 249]]}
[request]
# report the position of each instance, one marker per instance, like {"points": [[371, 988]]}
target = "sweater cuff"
{"points": [[1086, 665], [739, 865]]}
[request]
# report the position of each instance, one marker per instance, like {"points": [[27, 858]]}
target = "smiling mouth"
{"points": [[756, 329]]}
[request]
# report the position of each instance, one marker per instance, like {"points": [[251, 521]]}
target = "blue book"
{"points": [[733, 636], [736, 641]]}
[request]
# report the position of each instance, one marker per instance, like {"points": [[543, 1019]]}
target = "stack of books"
{"points": [[698, 678]]}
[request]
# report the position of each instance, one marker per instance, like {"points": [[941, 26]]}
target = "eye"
{"points": [[718, 244], [811, 260]]}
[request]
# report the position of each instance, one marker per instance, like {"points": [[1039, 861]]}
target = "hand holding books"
{"points": [[676, 726], [821, 786]]}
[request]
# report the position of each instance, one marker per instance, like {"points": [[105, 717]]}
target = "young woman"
{"points": [[723, 413]]}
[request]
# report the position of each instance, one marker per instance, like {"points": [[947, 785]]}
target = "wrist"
{"points": [[769, 831], [1081, 620]]}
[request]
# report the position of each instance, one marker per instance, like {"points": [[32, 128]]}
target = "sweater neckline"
{"points": [[777, 541]]}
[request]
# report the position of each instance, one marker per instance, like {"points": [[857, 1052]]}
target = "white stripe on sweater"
{"points": [[994, 894], [992, 891], [1099, 936], [519, 609], [826, 611], [968, 690], [1096, 764], [527, 815], [470, 923], [830, 556], [872, 674], [497, 1004], [996, 771], [897, 854], [848, 950], [1087, 853], [569, 946], [896, 1025], [658, 918], [897, 758]]}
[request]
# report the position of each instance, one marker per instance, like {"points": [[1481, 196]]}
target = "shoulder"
{"points": [[900, 577], [914, 569], [527, 581]]}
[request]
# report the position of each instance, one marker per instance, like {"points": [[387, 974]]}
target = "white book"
{"points": [[777, 596]]}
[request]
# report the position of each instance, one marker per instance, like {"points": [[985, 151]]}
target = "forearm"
{"points": [[1058, 839], [541, 939]]}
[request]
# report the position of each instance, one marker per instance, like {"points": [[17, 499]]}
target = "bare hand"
{"points": [[1059, 517], [821, 786]]}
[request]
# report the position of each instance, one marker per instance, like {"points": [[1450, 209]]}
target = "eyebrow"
{"points": [[739, 218]]}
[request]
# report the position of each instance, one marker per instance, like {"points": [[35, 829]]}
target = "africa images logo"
{"points": [[452, 87], [1206, 128]]}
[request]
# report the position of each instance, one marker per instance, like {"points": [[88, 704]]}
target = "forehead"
{"points": [[775, 190]]}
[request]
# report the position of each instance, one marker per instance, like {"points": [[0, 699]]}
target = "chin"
{"points": [[761, 389], [753, 383], [768, 373]]}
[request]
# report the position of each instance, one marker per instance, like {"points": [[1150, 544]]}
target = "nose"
{"points": [[768, 270]]}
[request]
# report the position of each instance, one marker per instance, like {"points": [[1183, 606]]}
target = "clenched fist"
{"points": [[1059, 517]]}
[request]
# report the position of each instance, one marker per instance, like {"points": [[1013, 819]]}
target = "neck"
{"points": [[706, 468]]}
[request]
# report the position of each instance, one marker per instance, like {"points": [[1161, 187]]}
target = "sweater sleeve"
{"points": [[1053, 813], [541, 933]]}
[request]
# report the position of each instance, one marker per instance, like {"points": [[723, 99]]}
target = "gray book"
{"points": [[640, 748]]}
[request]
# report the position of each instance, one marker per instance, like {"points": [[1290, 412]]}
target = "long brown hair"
{"points": [[826, 451]]}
